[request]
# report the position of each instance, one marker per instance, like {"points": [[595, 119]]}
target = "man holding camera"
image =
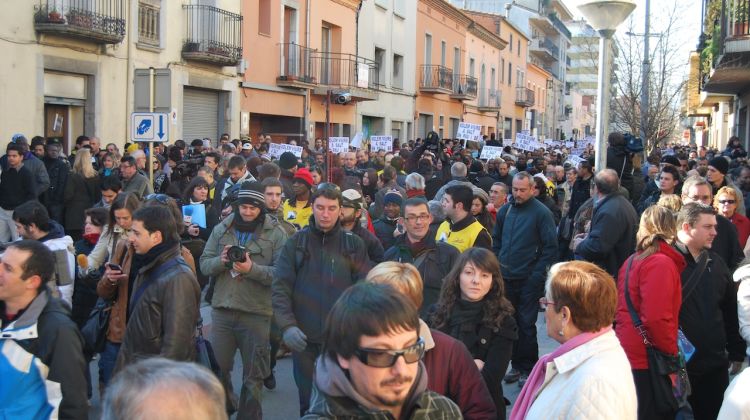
{"points": [[240, 255]]}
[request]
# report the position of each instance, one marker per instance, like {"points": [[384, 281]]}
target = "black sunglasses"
{"points": [[386, 358]]}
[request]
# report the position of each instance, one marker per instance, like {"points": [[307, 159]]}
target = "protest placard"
{"points": [[338, 144], [570, 144], [276, 149], [575, 160], [381, 143], [468, 131], [578, 151], [507, 142], [357, 140], [491, 152]]}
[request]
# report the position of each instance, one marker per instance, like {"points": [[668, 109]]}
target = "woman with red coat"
{"points": [[725, 203], [655, 289]]}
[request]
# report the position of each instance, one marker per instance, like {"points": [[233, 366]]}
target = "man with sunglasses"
{"points": [[433, 259], [371, 364]]}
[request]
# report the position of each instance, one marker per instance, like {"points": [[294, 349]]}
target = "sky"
{"points": [[686, 33]]}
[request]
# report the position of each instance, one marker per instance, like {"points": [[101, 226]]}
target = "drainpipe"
{"points": [[306, 100], [129, 71]]}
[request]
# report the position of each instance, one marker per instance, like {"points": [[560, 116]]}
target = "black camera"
{"points": [[237, 254], [432, 141]]}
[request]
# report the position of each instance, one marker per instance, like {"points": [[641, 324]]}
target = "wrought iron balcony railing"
{"points": [[435, 78], [212, 35], [99, 21], [297, 66], [464, 87], [345, 70], [524, 97], [489, 99]]}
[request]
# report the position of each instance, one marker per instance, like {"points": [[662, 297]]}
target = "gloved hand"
{"points": [[295, 339]]}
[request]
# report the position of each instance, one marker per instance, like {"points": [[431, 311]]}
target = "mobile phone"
{"points": [[114, 267]]}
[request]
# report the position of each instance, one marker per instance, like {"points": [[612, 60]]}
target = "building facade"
{"points": [[82, 68]]}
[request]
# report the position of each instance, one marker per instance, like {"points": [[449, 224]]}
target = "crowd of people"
{"points": [[405, 283]]}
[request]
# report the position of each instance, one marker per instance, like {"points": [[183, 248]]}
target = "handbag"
{"points": [[204, 352], [667, 372], [95, 329]]}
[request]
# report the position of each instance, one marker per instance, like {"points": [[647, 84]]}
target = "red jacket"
{"points": [[451, 371], [742, 224], [656, 291]]}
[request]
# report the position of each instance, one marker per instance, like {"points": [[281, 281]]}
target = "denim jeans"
{"points": [[524, 295], [107, 360]]}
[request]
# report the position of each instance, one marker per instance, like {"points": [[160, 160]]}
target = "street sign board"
{"points": [[149, 127]]}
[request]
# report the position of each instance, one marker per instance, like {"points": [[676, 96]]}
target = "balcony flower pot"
{"points": [[55, 17]]}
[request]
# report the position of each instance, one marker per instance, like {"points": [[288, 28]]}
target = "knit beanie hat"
{"points": [[252, 192], [393, 197], [287, 161], [720, 164], [304, 175]]}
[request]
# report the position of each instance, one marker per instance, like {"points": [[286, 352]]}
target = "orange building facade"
{"points": [[295, 56], [537, 80]]}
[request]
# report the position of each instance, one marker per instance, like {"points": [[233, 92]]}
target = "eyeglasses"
{"points": [[386, 358], [727, 201], [420, 218], [544, 302], [162, 198]]}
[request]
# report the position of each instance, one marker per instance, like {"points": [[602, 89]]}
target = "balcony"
{"points": [[436, 79], [524, 97], [98, 21], [567, 61], [297, 69], [355, 75], [489, 100], [544, 49], [729, 73], [464, 87], [213, 35], [559, 25]]}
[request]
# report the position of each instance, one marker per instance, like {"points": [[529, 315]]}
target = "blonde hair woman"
{"points": [[655, 289], [81, 192]]}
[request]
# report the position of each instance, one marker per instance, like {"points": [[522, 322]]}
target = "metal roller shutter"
{"points": [[200, 114]]}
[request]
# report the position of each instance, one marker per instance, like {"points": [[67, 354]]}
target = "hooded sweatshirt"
{"points": [[334, 396]]}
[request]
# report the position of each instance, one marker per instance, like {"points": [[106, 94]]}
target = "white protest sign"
{"points": [[507, 142], [384, 143], [527, 143], [276, 149], [491, 152], [570, 144], [575, 160], [469, 131], [357, 140], [577, 152], [338, 144]]}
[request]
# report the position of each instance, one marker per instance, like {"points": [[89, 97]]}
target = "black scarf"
{"points": [[141, 260], [416, 248], [241, 225], [464, 311]]}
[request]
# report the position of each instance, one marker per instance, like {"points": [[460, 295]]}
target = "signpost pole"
{"points": [[151, 109]]}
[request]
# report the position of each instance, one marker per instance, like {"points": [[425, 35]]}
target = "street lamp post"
{"points": [[604, 16]]}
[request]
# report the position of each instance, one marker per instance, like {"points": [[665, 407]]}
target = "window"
{"points": [[148, 22], [471, 67], [518, 48], [442, 53], [502, 70], [493, 74], [427, 49], [380, 62], [510, 73], [511, 43], [264, 17], [399, 8], [397, 80], [383, 3]]}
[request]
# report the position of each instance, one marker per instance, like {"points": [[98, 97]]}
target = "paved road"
{"points": [[282, 403]]}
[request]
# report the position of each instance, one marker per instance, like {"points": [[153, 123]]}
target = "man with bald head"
{"points": [[611, 238]]}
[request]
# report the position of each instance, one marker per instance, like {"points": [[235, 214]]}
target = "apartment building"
{"points": [[77, 67]]}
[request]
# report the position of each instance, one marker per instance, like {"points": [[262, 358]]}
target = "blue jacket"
{"points": [[525, 240]]}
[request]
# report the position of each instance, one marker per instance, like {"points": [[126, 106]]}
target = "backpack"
{"points": [[633, 144], [300, 250]]}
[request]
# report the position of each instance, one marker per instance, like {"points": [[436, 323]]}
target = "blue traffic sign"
{"points": [[149, 127]]}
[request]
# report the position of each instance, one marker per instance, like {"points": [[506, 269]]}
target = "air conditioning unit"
{"points": [[242, 66]]}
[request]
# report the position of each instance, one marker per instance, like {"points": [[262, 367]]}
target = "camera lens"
{"points": [[236, 254]]}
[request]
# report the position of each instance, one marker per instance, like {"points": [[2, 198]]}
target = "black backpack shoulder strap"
{"points": [[692, 283]]}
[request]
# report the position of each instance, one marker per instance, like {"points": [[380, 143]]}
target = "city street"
{"points": [[281, 403]]}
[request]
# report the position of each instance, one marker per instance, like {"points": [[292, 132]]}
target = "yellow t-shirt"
{"points": [[297, 215]]}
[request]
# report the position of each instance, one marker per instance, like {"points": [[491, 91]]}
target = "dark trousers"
{"points": [[303, 367], [645, 393], [107, 360], [275, 340], [524, 295], [708, 393]]}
